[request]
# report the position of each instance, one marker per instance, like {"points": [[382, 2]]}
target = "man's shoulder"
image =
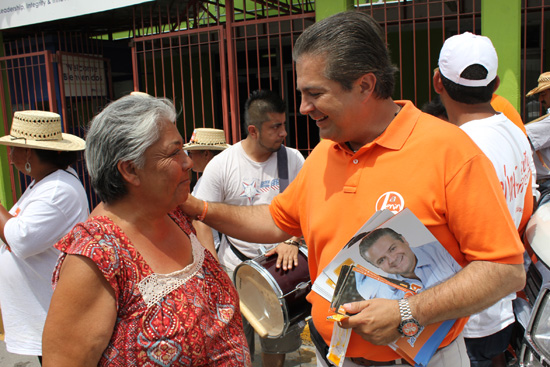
{"points": [[497, 122], [227, 153], [544, 119], [292, 152]]}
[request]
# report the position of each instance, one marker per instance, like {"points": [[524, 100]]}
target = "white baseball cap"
{"points": [[460, 51]]}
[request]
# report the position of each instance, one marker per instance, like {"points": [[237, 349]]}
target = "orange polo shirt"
{"points": [[432, 168]]}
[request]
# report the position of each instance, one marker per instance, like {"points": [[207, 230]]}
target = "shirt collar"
{"points": [[397, 132]]}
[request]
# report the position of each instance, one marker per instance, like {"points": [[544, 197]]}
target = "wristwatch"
{"points": [[408, 327]]}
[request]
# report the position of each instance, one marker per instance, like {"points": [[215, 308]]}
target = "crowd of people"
{"points": [[147, 277]]}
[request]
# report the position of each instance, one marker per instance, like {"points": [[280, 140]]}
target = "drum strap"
{"points": [[319, 342], [282, 171], [282, 168], [236, 251]]}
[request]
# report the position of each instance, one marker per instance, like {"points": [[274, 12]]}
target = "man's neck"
{"points": [[461, 113], [381, 115], [254, 151]]}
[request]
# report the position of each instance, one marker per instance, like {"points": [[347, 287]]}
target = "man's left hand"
{"points": [[287, 255], [376, 320]]}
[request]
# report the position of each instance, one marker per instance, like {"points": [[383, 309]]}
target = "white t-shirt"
{"points": [[539, 133], [508, 149], [232, 177], [43, 215]]}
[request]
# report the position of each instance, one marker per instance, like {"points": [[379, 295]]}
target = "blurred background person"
{"points": [[50, 206], [538, 131], [204, 144], [134, 286], [542, 91]]}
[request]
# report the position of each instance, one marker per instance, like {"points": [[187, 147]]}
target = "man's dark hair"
{"points": [[259, 104], [369, 240], [470, 95], [352, 45], [435, 108]]}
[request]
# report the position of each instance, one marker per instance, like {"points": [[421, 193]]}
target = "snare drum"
{"points": [[273, 300]]}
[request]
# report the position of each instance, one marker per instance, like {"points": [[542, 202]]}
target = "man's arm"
{"points": [[248, 223], [479, 285], [205, 237]]}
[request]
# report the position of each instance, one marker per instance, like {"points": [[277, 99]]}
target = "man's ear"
{"points": [[128, 172], [367, 83], [252, 130], [497, 84], [438, 83]]}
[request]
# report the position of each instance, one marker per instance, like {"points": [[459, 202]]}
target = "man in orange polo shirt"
{"points": [[377, 154]]}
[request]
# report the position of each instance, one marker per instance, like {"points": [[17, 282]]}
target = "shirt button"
{"points": [[355, 161]]}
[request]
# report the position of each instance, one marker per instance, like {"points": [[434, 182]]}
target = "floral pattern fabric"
{"points": [[195, 323]]}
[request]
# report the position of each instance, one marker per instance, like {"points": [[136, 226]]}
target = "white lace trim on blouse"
{"points": [[155, 286]]}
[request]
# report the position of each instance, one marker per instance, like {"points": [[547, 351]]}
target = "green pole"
{"points": [[6, 197], [326, 8], [501, 22]]}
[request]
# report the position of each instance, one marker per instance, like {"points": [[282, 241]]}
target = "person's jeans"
{"points": [[482, 350]]}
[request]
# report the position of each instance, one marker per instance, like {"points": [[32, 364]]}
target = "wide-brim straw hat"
{"points": [[544, 83], [207, 139], [40, 130]]}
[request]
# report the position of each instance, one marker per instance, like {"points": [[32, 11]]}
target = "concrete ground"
{"points": [[16, 360], [304, 357]]}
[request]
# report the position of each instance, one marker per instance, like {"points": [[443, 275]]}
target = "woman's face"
{"points": [[18, 157], [165, 175]]}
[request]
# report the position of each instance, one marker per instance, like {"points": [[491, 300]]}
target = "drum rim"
{"points": [[271, 281], [254, 263]]}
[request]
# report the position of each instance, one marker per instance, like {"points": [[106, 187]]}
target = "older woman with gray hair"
{"points": [[134, 286]]}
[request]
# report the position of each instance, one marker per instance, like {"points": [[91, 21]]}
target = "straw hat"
{"points": [[207, 139], [40, 130], [544, 83]]}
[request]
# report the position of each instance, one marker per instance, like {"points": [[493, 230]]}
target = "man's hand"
{"points": [[376, 320], [287, 255]]}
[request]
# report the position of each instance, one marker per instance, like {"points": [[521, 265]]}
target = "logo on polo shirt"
{"points": [[390, 200]]}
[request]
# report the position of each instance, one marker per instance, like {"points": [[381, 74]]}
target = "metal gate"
{"points": [[28, 82], [415, 32], [73, 84], [208, 56], [211, 62]]}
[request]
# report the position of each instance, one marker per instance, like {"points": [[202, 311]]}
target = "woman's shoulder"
{"points": [[98, 231], [182, 220]]}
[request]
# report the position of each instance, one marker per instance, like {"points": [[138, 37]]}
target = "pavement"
{"points": [[15, 360], [304, 357]]}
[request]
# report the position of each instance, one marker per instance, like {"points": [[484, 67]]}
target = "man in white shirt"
{"points": [[248, 173], [466, 80]]}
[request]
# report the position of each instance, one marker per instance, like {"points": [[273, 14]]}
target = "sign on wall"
{"points": [[16, 13], [83, 76]]}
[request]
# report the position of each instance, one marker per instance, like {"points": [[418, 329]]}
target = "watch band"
{"points": [[408, 327], [292, 242], [405, 309]]}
